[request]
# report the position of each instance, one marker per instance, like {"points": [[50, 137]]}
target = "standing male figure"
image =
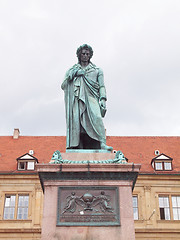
{"points": [[85, 102]]}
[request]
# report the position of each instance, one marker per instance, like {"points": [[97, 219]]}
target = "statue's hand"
{"points": [[72, 74], [80, 72], [103, 103]]}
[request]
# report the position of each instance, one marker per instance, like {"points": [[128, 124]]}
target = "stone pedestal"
{"points": [[100, 193]]}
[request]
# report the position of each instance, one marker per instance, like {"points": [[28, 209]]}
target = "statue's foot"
{"points": [[105, 147]]}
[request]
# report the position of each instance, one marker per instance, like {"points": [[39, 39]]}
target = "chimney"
{"points": [[16, 133]]}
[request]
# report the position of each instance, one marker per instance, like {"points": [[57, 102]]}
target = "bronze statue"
{"points": [[85, 102]]}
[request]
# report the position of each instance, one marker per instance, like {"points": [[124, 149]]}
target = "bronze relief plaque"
{"points": [[88, 206]]}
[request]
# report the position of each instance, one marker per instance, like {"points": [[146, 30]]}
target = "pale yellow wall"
{"points": [[148, 188], [22, 229]]}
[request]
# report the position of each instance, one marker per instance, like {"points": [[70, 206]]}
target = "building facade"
{"points": [[156, 196]]}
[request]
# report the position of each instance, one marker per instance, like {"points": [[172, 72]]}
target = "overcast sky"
{"points": [[135, 42]]}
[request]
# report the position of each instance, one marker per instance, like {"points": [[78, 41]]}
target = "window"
{"points": [[25, 165], [21, 166], [176, 207], [26, 162], [164, 208], [162, 163], [167, 166], [9, 207], [135, 207], [23, 202], [30, 165], [16, 207], [158, 166]]}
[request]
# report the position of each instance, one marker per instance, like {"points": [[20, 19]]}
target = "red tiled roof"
{"points": [[141, 150], [136, 149]]}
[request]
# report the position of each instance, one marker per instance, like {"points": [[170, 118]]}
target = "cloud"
{"points": [[136, 43]]}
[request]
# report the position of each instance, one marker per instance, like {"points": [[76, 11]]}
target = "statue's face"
{"points": [[85, 55]]}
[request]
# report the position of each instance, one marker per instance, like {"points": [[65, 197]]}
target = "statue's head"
{"points": [[84, 47], [56, 155]]}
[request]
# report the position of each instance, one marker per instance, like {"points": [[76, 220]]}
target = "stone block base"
{"points": [[103, 176]]}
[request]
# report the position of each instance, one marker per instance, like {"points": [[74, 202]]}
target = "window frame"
{"points": [[158, 169], [16, 205], [23, 207], [22, 169], [169, 195], [9, 207], [169, 207], [163, 165], [175, 207], [25, 165], [136, 207]]}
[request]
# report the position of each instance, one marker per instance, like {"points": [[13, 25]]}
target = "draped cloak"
{"points": [[82, 95]]}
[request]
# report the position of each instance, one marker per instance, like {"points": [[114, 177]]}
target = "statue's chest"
{"points": [[92, 74]]}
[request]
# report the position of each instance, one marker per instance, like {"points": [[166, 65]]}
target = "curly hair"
{"points": [[79, 51]]}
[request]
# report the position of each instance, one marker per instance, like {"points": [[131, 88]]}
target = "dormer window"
{"points": [[162, 163], [167, 165], [26, 162], [21, 165], [30, 165], [158, 165]]}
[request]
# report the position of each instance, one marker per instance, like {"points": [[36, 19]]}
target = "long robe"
{"points": [[82, 96]]}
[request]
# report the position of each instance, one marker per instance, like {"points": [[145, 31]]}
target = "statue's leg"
{"points": [[88, 143], [105, 147], [80, 146]]}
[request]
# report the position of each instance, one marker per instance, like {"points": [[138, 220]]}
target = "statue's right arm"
{"points": [[64, 84], [70, 74]]}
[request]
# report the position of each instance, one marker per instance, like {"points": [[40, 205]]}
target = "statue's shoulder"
{"points": [[77, 65], [92, 65], [73, 67], [95, 67]]}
